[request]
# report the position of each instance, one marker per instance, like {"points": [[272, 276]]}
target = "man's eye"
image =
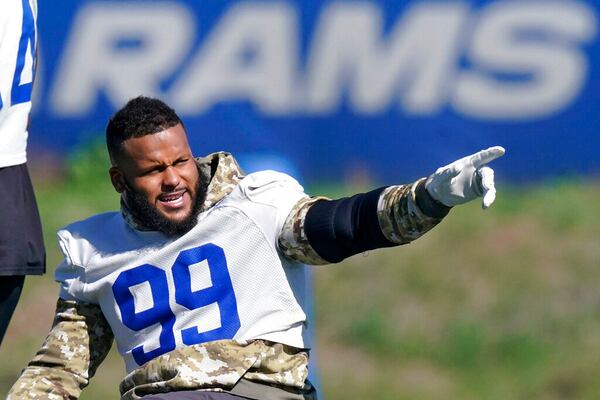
{"points": [[151, 171], [182, 161]]}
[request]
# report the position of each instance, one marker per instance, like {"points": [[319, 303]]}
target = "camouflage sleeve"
{"points": [[404, 212], [293, 242], [78, 342], [401, 212]]}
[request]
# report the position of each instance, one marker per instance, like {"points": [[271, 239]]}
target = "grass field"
{"points": [[502, 304]]}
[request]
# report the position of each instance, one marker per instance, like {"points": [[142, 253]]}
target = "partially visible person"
{"points": [[21, 243]]}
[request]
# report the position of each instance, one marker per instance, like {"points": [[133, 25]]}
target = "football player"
{"points": [[21, 243], [200, 277]]}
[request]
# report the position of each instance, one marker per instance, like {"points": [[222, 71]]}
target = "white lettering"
{"points": [[414, 64], [536, 40], [93, 61], [524, 60], [250, 55]]}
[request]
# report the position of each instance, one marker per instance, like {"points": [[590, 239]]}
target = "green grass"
{"points": [[489, 305], [497, 304]]}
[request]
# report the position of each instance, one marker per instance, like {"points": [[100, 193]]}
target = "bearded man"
{"points": [[200, 278]]}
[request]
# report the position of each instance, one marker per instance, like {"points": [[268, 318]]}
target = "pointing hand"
{"points": [[465, 179]]}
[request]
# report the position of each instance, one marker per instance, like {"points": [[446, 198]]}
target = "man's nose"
{"points": [[170, 178]]}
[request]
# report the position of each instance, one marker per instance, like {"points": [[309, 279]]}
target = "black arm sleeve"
{"points": [[337, 229]]}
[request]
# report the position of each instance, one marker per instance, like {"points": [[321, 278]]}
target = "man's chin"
{"points": [[177, 217], [169, 222], [176, 226]]}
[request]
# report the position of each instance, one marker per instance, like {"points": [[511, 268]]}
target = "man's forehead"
{"points": [[164, 143]]}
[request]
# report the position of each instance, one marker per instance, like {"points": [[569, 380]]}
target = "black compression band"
{"points": [[337, 229], [430, 207]]}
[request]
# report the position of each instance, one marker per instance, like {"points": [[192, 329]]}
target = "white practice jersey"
{"points": [[17, 53], [224, 279]]}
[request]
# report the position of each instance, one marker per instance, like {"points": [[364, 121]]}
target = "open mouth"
{"points": [[173, 200]]}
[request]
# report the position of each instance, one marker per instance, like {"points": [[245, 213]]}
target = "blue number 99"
{"points": [[220, 293]]}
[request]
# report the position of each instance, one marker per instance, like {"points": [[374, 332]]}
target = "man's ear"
{"points": [[117, 179]]}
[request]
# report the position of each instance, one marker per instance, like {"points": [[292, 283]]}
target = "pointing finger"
{"points": [[483, 157]]}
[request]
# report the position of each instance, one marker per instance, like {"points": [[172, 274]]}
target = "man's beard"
{"points": [[149, 216]]}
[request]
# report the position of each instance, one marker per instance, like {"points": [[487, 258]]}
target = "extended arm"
{"points": [[78, 342], [321, 231]]}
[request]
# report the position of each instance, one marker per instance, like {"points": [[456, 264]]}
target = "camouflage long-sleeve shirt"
{"points": [[81, 337]]}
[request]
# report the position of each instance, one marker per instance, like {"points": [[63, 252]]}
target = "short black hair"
{"points": [[141, 116]]}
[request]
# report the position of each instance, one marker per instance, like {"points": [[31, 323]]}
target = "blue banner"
{"points": [[335, 89]]}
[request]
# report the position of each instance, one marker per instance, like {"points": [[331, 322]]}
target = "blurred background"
{"points": [[348, 96]]}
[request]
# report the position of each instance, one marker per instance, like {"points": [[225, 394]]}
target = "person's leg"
{"points": [[10, 291], [193, 395]]}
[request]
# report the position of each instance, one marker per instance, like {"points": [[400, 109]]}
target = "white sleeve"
{"points": [[273, 195], [70, 274]]}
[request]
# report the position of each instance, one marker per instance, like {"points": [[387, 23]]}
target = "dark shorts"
{"points": [[21, 242]]}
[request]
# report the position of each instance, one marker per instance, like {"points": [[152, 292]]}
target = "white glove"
{"points": [[465, 179]]}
